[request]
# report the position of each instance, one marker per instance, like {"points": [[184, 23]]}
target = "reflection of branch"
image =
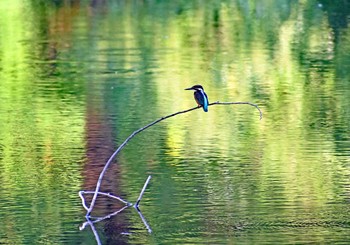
{"points": [[91, 223], [144, 220], [96, 192]]}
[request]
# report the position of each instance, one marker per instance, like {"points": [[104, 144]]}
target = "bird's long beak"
{"points": [[188, 88]]}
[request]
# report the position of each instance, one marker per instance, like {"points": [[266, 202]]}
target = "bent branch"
{"points": [[89, 210]]}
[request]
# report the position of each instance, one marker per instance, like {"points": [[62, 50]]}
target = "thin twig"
{"points": [[142, 191], [142, 129], [238, 103]]}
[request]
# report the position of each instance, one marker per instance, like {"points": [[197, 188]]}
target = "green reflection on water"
{"points": [[77, 79]]}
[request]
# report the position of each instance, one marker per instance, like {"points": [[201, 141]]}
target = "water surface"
{"points": [[77, 78]]}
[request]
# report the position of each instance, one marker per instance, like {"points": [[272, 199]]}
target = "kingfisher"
{"points": [[200, 96]]}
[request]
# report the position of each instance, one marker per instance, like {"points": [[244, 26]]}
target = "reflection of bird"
{"points": [[200, 96]]}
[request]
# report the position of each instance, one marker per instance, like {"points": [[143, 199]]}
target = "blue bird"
{"points": [[200, 96]]}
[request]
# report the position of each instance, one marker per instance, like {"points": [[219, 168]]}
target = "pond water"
{"points": [[78, 77]]}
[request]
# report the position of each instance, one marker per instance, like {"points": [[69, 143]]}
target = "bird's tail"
{"points": [[205, 108]]}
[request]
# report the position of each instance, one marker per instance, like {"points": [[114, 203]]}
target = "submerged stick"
{"points": [[144, 128], [81, 193]]}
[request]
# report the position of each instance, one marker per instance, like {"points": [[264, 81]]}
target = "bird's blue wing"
{"points": [[205, 101], [202, 99]]}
